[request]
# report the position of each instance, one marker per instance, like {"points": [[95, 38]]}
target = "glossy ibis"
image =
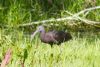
{"points": [[52, 37]]}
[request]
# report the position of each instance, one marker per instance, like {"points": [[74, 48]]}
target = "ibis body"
{"points": [[52, 37]]}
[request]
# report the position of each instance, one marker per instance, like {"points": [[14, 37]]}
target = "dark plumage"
{"points": [[52, 37]]}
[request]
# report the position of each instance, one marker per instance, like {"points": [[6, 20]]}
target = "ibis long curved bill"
{"points": [[33, 35]]}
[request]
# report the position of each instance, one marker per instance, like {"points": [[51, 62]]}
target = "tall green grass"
{"points": [[78, 52]]}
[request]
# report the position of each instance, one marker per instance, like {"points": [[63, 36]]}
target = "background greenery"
{"points": [[82, 51], [15, 12]]}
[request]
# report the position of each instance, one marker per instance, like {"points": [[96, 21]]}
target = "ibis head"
{"points": [[39, 29]]}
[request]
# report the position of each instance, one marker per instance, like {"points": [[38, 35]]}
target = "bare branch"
{"points": [[50, 20], [88, 9], [83, 19]]}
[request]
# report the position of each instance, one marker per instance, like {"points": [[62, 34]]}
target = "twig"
{"points": [[85, 14], [73, 17]]}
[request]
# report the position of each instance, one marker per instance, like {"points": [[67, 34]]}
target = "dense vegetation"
{"points": [[16, 12], [82, 51]]}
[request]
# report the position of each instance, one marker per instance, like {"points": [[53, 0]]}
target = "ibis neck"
{"points": [[42, 34]]}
